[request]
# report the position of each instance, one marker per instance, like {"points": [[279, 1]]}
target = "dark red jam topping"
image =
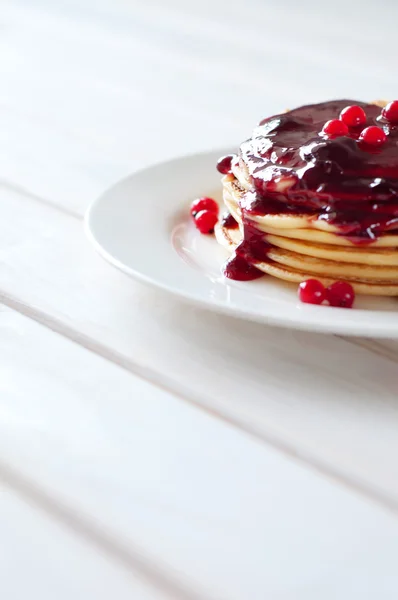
{"points": [[347, 183], [229, 222], [239, 269], [297, 168], [224, 164], [253, 248]]}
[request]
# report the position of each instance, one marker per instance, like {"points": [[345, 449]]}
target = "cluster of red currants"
{"points": [[204, 212], [340, 293], [353, 117]]}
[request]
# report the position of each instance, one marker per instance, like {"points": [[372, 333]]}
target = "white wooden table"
{"points": [[150, 450]]}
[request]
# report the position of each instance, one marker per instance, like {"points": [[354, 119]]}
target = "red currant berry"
{"points": [[335, 128], [390, 112], [224, 164], [341, 294], [204, 204], [205, 221], [311, 291], [373, 136], [353, 116]]}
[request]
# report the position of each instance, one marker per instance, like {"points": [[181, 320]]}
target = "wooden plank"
{"points": [[223, 514], [39, 558], [90, 93], [318, 397], [68, 147], [386, 348]]}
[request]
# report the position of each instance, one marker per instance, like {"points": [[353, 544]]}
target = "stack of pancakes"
{"points": [[303, 244]]}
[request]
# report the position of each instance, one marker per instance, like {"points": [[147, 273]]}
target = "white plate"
{"points": [[142, 226]]}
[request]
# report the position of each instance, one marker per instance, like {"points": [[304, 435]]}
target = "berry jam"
{"points": [[348, 185], [253, 248], [240, 269], [295, 168], [229, 222]]}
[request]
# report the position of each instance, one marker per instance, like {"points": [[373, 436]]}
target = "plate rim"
{"points": [[330, 326]]}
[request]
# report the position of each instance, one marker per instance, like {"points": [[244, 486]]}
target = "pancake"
{"points": [[234, 195], [298, 228], [330, 268], [310, 203], [230, 239], [323, 237], [360, 287], [378, 256]]}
